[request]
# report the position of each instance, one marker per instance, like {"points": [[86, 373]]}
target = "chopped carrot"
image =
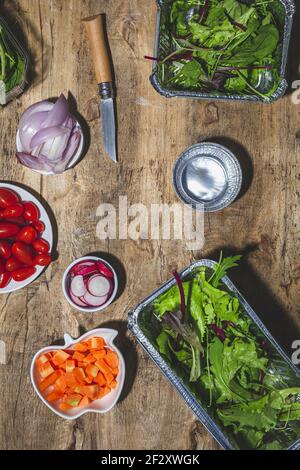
{"points": [[84, 402], [91, 391], [70, 366], [96, 343], [100, 379], [45, 370], [109, 378], [61, 384], [115, 371], [113, 384], [112, 359], [105, 369], [79, 374], [54, 396], [92, 370], [90, 359], [89, 380], [71, 380], [49, 381], [78, 356], [81, 347], [43, 359], [60, 357], [64, 407], [99, 354], [73, 400], [104, 391]]}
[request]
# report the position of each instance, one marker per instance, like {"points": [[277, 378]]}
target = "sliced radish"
{"points": [[103, 269], [77, 286], [83, 265], [77, 301], [99, 286], [93, 301]]}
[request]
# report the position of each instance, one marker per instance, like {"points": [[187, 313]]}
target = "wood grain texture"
{"points": [[263, 224]]}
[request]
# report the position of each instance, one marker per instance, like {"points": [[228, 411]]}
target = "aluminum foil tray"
{"points": [[135, 325], [162, 46]]}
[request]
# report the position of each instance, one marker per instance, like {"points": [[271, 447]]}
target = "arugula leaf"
{"points": [[221, 269]]}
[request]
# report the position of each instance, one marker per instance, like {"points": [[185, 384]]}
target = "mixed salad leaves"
{"points": [[217, 350], [221, 45], [12, 66]]}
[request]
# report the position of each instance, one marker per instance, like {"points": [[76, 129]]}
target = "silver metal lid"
{"points": [[207, 174]]}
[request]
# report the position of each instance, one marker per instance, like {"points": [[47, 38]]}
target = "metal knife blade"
{"points": [[107, 109]]}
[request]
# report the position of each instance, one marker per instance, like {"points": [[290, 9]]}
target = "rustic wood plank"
{"points": [[263, 224]]}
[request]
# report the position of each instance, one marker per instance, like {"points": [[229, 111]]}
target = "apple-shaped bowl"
{"points": [[103, 405]]}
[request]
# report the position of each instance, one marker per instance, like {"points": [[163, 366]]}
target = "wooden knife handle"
{"points": [[100, 50]]}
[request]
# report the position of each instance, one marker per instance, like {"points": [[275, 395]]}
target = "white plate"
{"points": [[47, 235], [103, 405], [71, 163]]}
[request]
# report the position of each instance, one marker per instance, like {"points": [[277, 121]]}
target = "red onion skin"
{"points": [[58, 113]]}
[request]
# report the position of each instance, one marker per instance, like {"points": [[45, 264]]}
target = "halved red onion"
{"points": [[48, 132]]}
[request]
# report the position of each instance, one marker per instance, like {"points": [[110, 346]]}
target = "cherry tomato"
{"points": [[17, 221], [5, 279], [5, 249], [42, 260], [8, 230], [27, 235], [2, 266], [23, 274], [14, 211], [23, 253], [12, 264], [31, 212], [41, 246], [39, 226], [8, 198]]}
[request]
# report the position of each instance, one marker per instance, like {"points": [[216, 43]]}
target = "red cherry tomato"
{"points": [[8, 198], [5, 279], [39, 226], [23, 274], [27, 235], [31, 212], [8, 230], [41, 246], [42, 260], [12, 264], [17, 210], [17, 221], [23, 253], [2, 266], [5, 249]]}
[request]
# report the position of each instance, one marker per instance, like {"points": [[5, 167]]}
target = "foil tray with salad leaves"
{"points": [[227, 48], [214, 349]]}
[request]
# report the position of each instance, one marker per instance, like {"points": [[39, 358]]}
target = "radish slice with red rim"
{"points": [[77, 286], [77, 301], [104, 270], [93, 301]]}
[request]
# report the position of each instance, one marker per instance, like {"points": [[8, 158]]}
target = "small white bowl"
{"points": [[71, 163], [103, 405], [89, 309]]}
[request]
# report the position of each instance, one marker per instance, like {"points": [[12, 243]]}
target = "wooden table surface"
{"points": [[263, 224]]}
